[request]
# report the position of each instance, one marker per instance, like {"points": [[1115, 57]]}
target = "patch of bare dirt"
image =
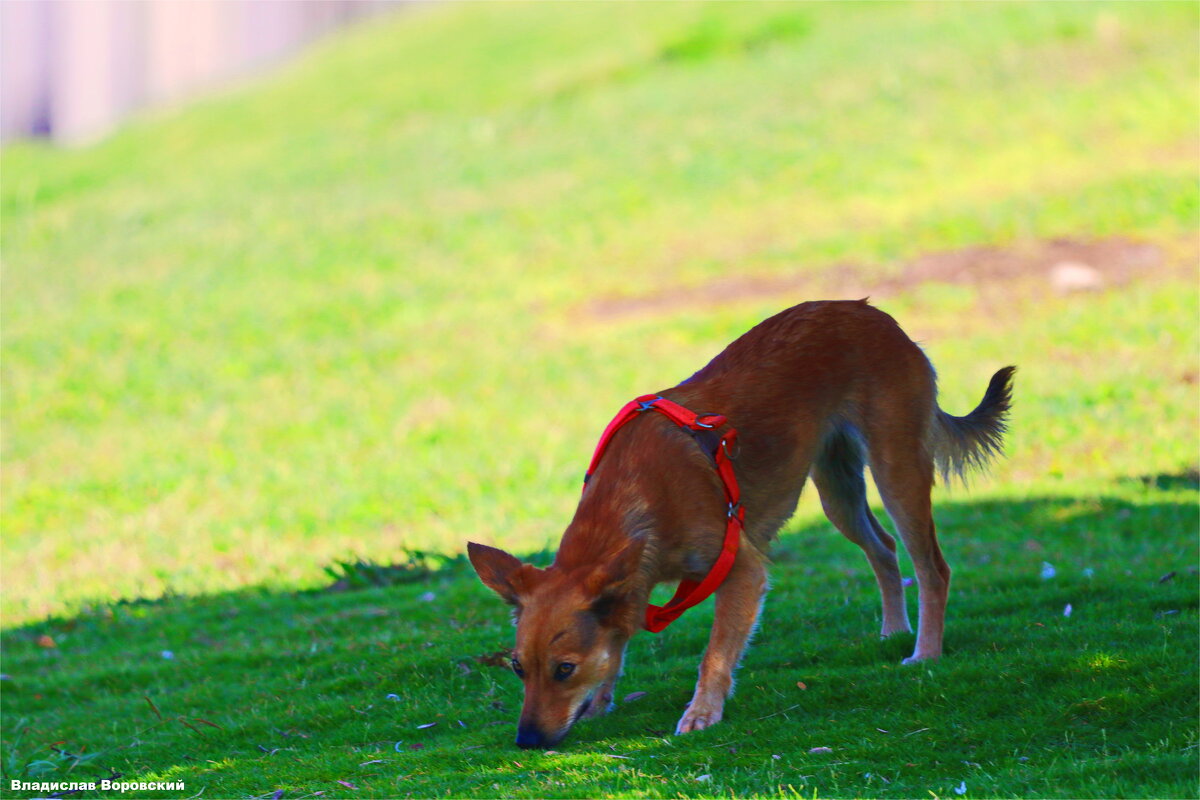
{"points": [[1056, 265]]}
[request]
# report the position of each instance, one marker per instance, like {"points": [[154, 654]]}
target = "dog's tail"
{"points": [[961, 444]]}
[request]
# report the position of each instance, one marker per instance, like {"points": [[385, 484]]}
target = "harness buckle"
{"points": [[735, 510], [646, 405], [731, 456]]}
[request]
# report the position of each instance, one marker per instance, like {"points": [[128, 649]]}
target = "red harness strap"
{"points": [[690, 592]]}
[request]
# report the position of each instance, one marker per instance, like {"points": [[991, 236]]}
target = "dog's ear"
{"points": [[502, 573], [609, 583]]}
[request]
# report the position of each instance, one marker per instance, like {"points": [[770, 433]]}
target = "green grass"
{"points": [[346, 313]]}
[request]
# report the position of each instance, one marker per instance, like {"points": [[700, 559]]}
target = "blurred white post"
{"points": [[72, 69]]}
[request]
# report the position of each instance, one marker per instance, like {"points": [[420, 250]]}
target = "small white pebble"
{"points": [[703, 778], [961, 788], [1088, 572], [168, 655], [1048, 571], [1075, 276], [1067, 610], [428, 597]]}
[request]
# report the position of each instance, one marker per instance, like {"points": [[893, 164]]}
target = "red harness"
{"points": [[689, 593]]}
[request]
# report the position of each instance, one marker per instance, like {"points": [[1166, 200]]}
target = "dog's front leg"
{"points": [[739, 601], [603, 697]]}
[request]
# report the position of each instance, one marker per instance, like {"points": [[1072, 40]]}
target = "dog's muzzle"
{"points": [[529, 738]]}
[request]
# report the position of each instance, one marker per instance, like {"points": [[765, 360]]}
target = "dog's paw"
{"points": [[596, 709], [917, 658], [699, 716], [895, 629], [601, 704]]}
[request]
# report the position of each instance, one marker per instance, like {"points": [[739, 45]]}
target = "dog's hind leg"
{"points": [[838, 476], [738, 603], [903, 472]]}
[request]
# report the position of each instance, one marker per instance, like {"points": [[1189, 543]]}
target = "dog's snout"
{"points": [[529, 737]]}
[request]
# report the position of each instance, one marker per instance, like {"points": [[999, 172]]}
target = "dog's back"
{"points": [[828, 375]]}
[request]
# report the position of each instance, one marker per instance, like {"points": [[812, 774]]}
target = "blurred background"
{"points": [[287, 283], [73, 69]]}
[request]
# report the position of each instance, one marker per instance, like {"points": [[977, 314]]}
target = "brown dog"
{"points": [[821, 389]]}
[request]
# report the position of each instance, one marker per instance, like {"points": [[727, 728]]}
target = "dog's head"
{"points": [[572, 626]]}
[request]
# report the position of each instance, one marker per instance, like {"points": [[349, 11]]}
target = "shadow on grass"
{"points": [[1184, 479], [1047, 684]]}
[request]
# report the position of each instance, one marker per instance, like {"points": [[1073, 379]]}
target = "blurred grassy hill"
{"points": [[353, 307]]}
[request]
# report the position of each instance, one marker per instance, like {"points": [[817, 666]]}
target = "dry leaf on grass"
{"points": [[500, 658]]}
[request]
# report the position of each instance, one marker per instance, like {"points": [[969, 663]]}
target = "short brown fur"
{"points": [[820, 389]]}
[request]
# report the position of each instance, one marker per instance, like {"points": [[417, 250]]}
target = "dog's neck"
{"points": [[610, 515], [649, 470]]}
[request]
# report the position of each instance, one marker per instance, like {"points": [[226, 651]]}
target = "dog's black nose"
{"points": [[529, 737]]}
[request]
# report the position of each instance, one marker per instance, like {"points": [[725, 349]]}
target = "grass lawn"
{"points": [[385, 301]]}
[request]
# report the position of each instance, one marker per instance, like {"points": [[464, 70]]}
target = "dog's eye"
{"points": [[563, 671], [516, 667]]}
